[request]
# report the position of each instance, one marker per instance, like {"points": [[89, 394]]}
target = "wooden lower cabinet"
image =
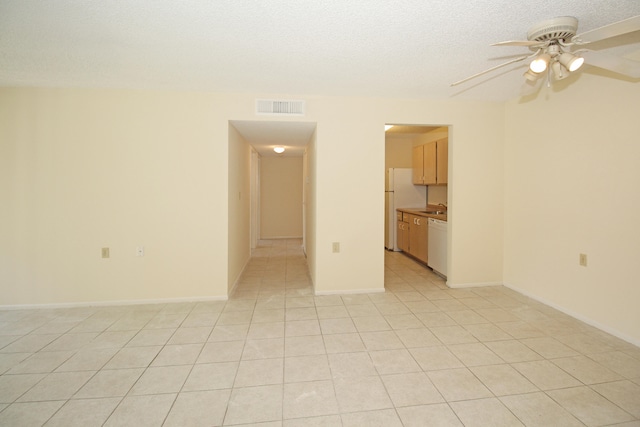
{"points": [[413, 237], [403, 236], [418, 242]]}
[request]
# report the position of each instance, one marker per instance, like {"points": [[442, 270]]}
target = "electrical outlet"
{"points": [[105, 252], [140, 251], [583, 260], [336, 247]]}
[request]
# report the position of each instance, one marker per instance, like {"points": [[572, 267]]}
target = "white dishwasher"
{"points": [[437, 246]]}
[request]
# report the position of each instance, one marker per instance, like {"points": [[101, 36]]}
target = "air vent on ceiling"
{"points": [[280, 107]]}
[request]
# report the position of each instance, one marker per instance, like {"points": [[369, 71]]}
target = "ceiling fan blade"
{"points": [[613, 63], [491, 69], [519, 43], [612, 30]]}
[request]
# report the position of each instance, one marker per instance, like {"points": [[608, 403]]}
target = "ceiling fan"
{"points": [[552, 42]]}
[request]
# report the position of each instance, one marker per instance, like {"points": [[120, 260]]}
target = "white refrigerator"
{"points": [[400, 192]]}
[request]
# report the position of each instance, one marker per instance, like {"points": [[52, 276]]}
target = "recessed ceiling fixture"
{"points": [[551, 42], [279, 149]]}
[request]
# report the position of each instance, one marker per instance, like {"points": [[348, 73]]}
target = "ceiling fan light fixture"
{"points": [[279, 149], [571, 62], [539, 64], [547, 40], [531, 76], [559, 71]]}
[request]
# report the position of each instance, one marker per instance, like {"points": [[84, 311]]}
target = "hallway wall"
{"points": [[239, 205], [280, 197]]}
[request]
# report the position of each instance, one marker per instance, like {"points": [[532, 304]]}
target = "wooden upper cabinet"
{"points": [[442, 160], [418, 165], [429, 163]]}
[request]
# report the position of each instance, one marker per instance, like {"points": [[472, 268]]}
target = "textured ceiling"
{"points": [[400, 48], [380, 48]]}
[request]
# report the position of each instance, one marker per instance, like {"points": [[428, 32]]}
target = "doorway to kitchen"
{"points": [[416, 193]]}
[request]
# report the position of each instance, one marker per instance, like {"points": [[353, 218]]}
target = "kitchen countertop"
{"points": [[420, 212]]}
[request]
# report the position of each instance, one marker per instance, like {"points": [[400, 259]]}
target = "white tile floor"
{"points": [[274, 355]]}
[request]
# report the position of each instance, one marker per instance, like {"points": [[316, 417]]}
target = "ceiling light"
{"points": [[387, 127], [279, 149], [539, 64], [570, 61]]}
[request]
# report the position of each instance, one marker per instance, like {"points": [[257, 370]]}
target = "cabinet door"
{"points": [[405, 236], [442, 161], [429, 163], [400, 235], [418, 165], [418, 243], [422, 242]]}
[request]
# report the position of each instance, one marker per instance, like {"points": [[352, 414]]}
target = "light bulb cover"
{"points": [[279, 149], [570, 61], [539, 64]]}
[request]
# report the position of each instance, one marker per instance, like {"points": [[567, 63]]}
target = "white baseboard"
{"points": [[237, 281], [111, 303], [473, 285], [350, 292], [280, 238], [578, 316]]}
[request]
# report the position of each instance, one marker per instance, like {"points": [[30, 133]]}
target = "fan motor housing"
{"points": [[560, 28]]}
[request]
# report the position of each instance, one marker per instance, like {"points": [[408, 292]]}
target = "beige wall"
{"points": [[547, 178], [239, 206], [398, 151], [434, 135], [571, 187], [349, 154], [280, 197], [438, 195], [309, 166], [82, 169], [86, 169]]}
